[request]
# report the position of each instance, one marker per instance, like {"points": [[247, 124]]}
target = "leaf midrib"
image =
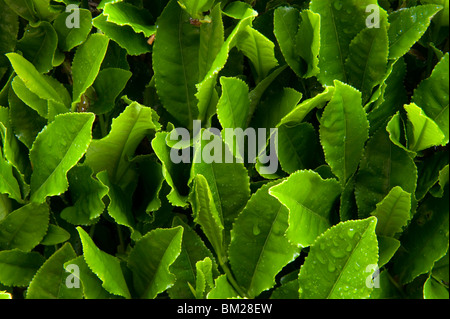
{"points": [[346, 263], [62, 159]]}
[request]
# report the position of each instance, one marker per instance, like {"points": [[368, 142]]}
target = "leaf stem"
{"points": [[230, 278]]}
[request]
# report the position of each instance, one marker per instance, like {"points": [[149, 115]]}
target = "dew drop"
{"points": [[256, 230], [338, 5], [351, 233], [331, 267]]}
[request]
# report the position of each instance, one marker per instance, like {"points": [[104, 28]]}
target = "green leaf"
{"points": [[55, 235], [69, 38], [206, 87], [222, 289], [432, 96], [430, 226], [298, 35], [204, 281], [272, 110], [393, 212], [25, 227], [298, 147], [32, 79], [87, 194], [228, 180], [207, 215], [341, 21], [175, 174], [9, 28], [105, 266], [258, 249], [344, 131], [134, 43], [407, 26], [91, 284], [422, 131], [113, 152], [8, 183], [432, 289], [340, 262], [120, 201], [367, 60], [56, 150], [259, 50], [24, 8], [441, 17], [309, 199], [392, 96], [17, 268], [175, 62], [86, 64], [39, 45], [383, 166], [108, 85], [151, 258], [192, 251], [50, 280], [233, 106], [122, 13], [195, 8], [299, 113]]}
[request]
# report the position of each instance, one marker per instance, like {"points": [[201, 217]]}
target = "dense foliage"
{"points": [[92, 204]]}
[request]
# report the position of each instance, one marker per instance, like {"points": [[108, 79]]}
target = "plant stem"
{"points": [[231, 279]]}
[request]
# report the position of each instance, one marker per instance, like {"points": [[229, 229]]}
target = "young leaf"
{"points": [[432, 96], [56, 150], [344, 131], [25, 227], [17, 268], [393, 213], [69, 38], [195, 8], [407, 26], [338, 262], [176, 175], [192, 251], [298, 147], [151, 258], [175, 62], [122, 13], [222, 289], [309, 199], [299, 113], [258, 249], [105, 266], [341, 21], [124, 36], [429, 225], [207, 215], [383, 166], [112, 153], [422, 131], [8, 183], [259, 50], [85, 67], [32, 79], [367, 60], [87, 194], [433, 289], [204, 281], [233, 106], [50, 280], [39, 46], [228, 181]]}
